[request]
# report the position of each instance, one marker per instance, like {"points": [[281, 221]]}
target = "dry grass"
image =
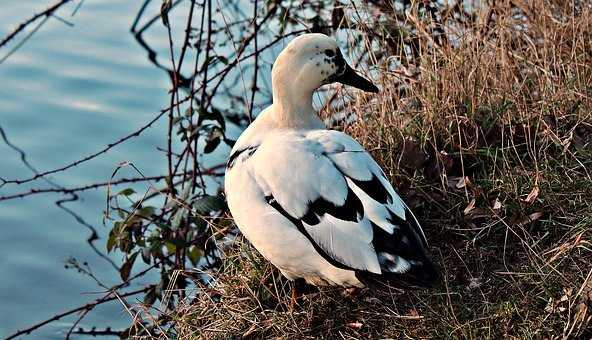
{"points": [[490, 144]]}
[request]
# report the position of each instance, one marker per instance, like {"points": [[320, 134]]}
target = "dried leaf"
{"points": [[453, 181], [439, 165], [535, 216], [534, 193], [412, 156], [469, 207], [476, 213], [112, 241], [463, 182], [125, 270], [150, 296], [497, 205], [355, 325], [530, 218], [474, 283], [165, 7], [146, 254]]}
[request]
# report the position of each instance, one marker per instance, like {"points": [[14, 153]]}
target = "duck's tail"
{"points": [[420, 274]]}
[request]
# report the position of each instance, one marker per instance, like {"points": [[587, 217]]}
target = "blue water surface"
{"points": [[67, 93]]}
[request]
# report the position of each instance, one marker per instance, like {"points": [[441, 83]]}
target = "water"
{"points": [[66, 93]]}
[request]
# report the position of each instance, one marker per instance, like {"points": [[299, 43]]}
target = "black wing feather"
{"points": [[406, 241], [352, 210], [374, 189], [298, 223]]}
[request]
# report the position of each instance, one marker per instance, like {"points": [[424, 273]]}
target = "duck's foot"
{"points": [[352, 292], [297, 291]]}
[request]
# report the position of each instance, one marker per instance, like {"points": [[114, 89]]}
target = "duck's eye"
{"points": [[329, 53]]}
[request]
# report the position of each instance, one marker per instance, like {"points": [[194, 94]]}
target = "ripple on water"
{"points": [[67, 93]]}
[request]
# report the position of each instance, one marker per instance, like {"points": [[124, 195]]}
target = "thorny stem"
{"points": [[174, 93], [256, 72], [46, 13]]}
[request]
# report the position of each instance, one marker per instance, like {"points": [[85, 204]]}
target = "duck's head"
{"points": [[307, 63], [312, 60]]}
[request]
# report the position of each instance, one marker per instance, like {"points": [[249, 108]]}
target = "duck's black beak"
{"points": [[352, 78], [347, 75]]}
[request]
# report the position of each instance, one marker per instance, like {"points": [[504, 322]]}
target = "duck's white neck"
{"points": [[292, 102]]}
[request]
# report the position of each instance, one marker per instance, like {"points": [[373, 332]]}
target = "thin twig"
{"points": [[46, 13], [256, 72], [108, 297]]}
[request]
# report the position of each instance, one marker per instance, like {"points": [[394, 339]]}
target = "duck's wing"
{"points": [[334, 193]]}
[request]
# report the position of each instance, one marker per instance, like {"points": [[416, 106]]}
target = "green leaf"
{"points": [[223, 60], [146, 253], [146, 211], [194, 254], [171, 247], [200, 223], [177, 119], [126, 192], [125, 270], [150, 296], [163, 226], [178, 218], [207, 204], [112, 240]]}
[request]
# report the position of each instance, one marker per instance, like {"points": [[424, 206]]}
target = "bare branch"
{"points": [[46, 13], [106, 298]]}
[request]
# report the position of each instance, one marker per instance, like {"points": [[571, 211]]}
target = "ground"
{"points": [[488, 139]]}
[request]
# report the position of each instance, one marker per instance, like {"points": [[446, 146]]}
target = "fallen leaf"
{"points": [[477, 213], [438, 164], [535, 216], [463, 182], [355, 325], [453, 181], [530, 218], [412, 156], [469, 207], [534, 193], [250, 331], [497, 205], [550, 305]]}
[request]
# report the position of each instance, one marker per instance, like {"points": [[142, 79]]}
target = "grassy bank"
{"points": [[486, 133]]}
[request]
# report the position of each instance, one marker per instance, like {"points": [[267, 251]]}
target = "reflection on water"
{"points": [[66, 93]]}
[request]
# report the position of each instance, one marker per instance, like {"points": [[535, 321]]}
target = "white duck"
{"points": [[313, 201]]}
